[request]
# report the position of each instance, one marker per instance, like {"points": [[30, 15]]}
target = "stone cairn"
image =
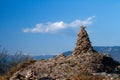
{"points": [[85, 60], [83, 44]]}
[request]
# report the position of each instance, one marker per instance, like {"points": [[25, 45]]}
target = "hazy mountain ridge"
{"points": [[114, 51], [40, 57]]}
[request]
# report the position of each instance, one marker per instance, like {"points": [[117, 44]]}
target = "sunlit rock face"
{"points": [[83, 44]]}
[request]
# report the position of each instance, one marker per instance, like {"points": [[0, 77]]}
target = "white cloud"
{"points": [[56, 26]]}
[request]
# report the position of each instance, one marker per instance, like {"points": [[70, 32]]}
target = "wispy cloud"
{"points": [[56, 26]]}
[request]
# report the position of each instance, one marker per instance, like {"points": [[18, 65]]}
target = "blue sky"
{"points": [[50, 26]]}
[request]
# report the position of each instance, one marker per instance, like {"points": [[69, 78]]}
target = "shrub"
{"points": [[9, 64]]}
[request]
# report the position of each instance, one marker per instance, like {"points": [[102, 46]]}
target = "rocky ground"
{"points": [[62, 68], [84, 60]]}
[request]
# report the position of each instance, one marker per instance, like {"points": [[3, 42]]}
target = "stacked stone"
{"points": [[83, 44], [84, 61]]}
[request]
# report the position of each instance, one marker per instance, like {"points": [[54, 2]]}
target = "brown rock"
{"points": [[83, 44]]}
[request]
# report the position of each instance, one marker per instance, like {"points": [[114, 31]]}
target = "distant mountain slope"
{"points": [[114, 51], [40, 57]]}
